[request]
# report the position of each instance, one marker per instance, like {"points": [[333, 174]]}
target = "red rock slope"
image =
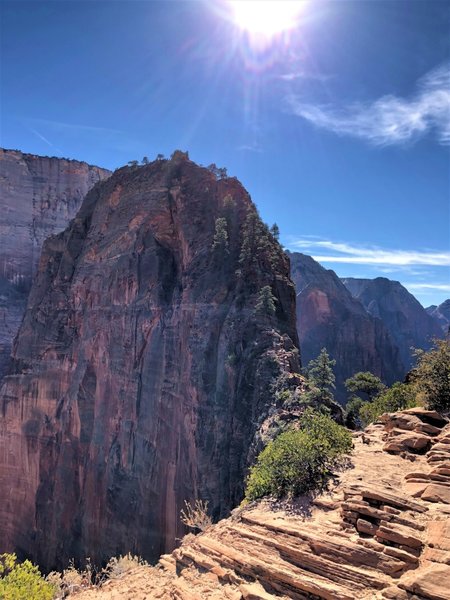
{"points": [[38, 197], [142, 367], [381, 532]]}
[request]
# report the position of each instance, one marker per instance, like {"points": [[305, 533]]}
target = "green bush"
{"points": [[398, 397], [22, 581], [432, 375], [298, 461]]}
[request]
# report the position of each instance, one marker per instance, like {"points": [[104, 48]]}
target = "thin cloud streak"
{"points": [[423, 287], [346, 253], [389, 120]]}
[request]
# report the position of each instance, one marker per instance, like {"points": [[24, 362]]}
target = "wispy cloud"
{"points": [[250, 147], [341, 252], [428, 287], [390, 119], [295, 75]]}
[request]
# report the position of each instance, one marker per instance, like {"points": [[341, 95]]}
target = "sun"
{"points": [[266, 18]]}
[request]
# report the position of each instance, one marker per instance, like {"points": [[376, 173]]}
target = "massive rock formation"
{"points": [[143, 365], [328, 316], [380, 532], [441, 314], [403, 315], [38, 197]]}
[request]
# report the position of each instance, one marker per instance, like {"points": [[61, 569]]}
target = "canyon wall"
{"points": [[328, 316], [405, 318], [441, 314], [142, 367], [38, 197]]}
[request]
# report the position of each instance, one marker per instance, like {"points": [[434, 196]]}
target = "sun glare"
{"points": [[266, 17]]}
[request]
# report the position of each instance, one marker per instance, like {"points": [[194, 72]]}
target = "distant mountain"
{"points": [[441, 314], [408, 322], [38, 197], [329, 316]]}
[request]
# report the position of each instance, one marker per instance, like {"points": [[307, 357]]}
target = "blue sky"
{"points": [[339, 128]]}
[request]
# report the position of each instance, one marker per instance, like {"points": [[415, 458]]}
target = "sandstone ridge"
{"points": [[382, 531], [142, 367]]}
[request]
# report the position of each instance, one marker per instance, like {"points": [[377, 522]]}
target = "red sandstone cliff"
{"points": [[38, 197], [142, 367], [405, 318], [328, 316]]}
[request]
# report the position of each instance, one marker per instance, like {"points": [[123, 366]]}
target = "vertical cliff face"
{"points": [[405, 318], [328, 316], [142, 367], [441, 314], [38, 197]]}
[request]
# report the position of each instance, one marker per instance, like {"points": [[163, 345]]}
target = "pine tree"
{"points": [[321, 375], [366, 383], [145, 160], [220, 241], [275, 231], [266, 301]]}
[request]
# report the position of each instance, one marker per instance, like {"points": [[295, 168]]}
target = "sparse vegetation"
{"points": [[301, 460], [365, 383], [220, 241], [398, 397], [22, 581], [432, 375], [195, 515], [266, 301]]}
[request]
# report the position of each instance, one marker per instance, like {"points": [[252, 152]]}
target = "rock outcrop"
{"points": [[38, 197], [328, 316], [371, 536], [143, 365], [441, 314], [405, 318]]}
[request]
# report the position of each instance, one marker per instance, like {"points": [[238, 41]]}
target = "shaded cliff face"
{"points": [[403, 315], [441, 314], [328, 316], [38, 197], [141, 369]]}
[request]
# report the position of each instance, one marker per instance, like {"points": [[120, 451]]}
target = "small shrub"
{"points": [[298, 461], [196, 515], [118, 565], [22, 581], [398, 397]]}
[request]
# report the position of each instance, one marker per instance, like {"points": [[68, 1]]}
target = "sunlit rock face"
{"points": [[38, 197], [328, 316], [407, 321], [441, 314], [142, 368]]}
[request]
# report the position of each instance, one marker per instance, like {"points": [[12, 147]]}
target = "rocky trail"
{"points": [[381, 531]]}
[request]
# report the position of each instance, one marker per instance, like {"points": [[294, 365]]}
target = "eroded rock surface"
{"points": [[143, 365], [328, 316], [405, 318], [367, 538], [38, 197]]}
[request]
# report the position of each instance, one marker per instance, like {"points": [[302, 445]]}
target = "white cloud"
{"points": [[390, 119], [338, 252], [428, 287]]}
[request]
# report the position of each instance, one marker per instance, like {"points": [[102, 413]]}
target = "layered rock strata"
{"points": [[367, 538], [38, 197], [142, 368], [328, 316]]}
